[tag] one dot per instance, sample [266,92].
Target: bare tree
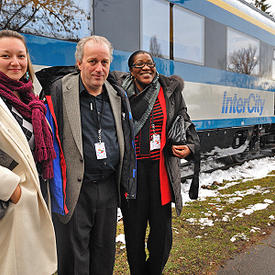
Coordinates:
[262,5]
[58,18]
[155,49]
[243,61]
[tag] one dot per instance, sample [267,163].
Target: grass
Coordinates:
[202,249]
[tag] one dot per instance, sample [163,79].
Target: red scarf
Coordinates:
[30,107]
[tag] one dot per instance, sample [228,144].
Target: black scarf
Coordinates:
[142,104]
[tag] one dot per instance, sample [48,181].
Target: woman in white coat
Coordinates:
[27,240]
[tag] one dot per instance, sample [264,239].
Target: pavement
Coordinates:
[257,260]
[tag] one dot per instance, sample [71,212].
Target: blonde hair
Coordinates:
[14,34]
[96,39]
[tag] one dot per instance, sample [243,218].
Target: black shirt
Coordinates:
[96,112]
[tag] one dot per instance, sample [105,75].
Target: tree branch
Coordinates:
[29,19]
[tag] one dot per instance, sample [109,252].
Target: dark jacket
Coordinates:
[175,105]
[60,84]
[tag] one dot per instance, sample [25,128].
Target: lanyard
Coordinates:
[99,118]
[153,124]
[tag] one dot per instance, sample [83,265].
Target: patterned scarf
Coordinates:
[30,107]
[142,103]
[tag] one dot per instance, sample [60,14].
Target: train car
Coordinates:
[223,49]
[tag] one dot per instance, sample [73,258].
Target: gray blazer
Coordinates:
[72,138]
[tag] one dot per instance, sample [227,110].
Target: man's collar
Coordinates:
[82,89]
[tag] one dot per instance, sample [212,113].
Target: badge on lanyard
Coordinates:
[100,150]
[155,142]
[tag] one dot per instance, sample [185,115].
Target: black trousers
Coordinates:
[136,215]
[86,245]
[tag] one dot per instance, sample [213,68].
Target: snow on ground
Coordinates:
[254,169]
[241,236]
[201,221]
[252,208]
[121,238]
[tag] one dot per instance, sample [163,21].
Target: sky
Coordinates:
[271,2]
[272,8]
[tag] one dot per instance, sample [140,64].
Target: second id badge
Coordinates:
[155,142]
[100,150]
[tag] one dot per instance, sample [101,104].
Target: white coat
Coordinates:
[27,239]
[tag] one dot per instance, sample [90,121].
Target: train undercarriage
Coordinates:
[222,148]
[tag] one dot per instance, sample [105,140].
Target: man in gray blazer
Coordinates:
[94,125]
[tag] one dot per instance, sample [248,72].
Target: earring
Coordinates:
[27,76]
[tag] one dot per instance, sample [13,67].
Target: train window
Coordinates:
[155,27]
[242,53]
[56,19]
[273,65]
[188,36]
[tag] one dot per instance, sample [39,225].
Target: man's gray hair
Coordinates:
[96,39]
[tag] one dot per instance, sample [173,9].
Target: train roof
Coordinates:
[241,9]
[252,11]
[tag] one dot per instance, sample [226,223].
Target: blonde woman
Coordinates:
[27,240]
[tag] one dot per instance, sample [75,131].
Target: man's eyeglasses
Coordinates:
[141,65]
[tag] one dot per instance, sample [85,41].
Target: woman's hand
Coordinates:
[16,195]
[180,151]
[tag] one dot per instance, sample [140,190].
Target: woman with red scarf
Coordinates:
[27,240]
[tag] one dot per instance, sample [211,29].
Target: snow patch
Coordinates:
[120,238]
[240,236]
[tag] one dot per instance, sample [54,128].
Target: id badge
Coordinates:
[100,150]
[155,142]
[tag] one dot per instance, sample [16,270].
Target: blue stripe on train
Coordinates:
[53,52]
[198,74]
[233,122]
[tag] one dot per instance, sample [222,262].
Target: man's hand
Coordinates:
[16,195]
[180,151]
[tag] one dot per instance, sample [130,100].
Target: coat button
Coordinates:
[81,159]
[79,179]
